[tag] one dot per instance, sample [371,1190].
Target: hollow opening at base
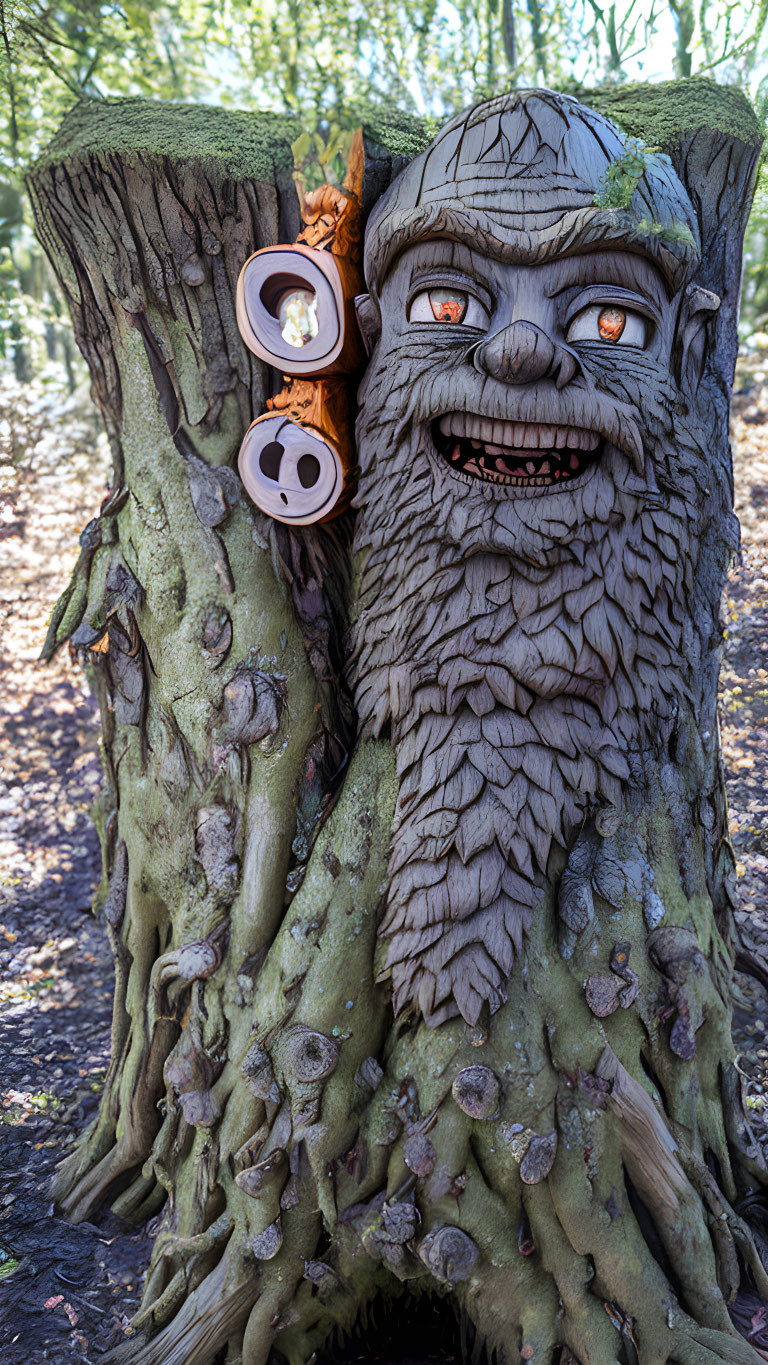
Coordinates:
[411,1330]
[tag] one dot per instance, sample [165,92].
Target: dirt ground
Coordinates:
[67,1294]
[75,1288]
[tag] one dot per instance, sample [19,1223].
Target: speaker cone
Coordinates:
[290,308]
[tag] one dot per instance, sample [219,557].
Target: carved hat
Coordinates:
[518,177]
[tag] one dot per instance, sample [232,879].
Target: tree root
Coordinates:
[561,1206]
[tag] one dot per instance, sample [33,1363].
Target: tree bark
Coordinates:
[569,1171]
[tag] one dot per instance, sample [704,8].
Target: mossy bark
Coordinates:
[570,1180]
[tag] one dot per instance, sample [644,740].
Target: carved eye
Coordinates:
[448,305]
[608,322]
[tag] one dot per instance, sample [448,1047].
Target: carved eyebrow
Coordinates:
[456,269]
[583,232]
[618,268]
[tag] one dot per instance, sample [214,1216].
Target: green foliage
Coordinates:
[401,66]
[321,160]
[667,232]
[622,177]
[618,186]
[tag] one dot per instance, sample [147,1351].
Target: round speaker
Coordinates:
[290,308]
[290,471]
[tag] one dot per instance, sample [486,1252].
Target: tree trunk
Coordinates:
[569,1170]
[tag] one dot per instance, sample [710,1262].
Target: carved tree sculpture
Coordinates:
[444,1007]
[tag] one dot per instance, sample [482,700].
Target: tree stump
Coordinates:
[514,832]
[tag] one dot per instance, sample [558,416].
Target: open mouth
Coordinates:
[518,454]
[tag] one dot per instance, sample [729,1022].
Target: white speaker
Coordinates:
[291,309]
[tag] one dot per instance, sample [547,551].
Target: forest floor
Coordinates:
[67,1293]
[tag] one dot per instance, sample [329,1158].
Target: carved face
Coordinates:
[289,471]
[532,479]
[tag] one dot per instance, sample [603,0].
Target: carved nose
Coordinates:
[522,353]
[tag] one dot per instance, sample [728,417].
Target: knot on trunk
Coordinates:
[322,1276]
[368,1074]
[305,1059]
[419,1154]
[449,1254]
[195,961]
[605,993]
[215,837]
[253,704]
[114,596]
[191,1072]
[256,1070]
[267,1176]
[534,1153]
[307,1056]
[476,1091]
[115,901]
[215,634]
[214,491]
[675,953]
[267,1243]
[394,1225]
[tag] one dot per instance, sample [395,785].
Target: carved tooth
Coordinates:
[445,424]
[592,440]
[519,433]
[498,433]
[530,467]
[561,437]
[574,438]
[574,461]
[547,436]
[485,429]
[545,467]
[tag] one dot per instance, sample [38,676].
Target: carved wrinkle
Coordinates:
[527,635]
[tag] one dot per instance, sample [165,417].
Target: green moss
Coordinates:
[249,146]
[662,114]
[400,133]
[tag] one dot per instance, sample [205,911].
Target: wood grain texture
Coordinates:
[544,661]
[538,652]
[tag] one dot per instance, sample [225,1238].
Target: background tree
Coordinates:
[308,1152]
[320,63]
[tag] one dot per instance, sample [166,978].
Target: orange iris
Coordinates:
[448,305]
[611,324]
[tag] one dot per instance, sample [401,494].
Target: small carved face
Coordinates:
[289,471]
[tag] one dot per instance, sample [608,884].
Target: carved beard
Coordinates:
[523,651]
